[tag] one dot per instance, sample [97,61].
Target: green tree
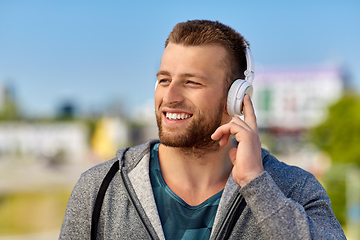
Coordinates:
[8,107]
[339,135]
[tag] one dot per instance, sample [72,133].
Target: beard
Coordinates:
[196,136]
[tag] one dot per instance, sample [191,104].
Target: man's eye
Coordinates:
[163,81]
[194,83]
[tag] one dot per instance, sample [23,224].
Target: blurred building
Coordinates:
[296,98]
[110,135]
[288,102]
[64,142]
[144,123]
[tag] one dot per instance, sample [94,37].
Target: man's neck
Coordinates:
[193,175]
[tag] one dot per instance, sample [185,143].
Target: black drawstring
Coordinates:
[240,205]
[233,215]
[100,198]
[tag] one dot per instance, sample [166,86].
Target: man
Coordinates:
[195,183]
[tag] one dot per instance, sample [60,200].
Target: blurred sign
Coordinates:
[296,98]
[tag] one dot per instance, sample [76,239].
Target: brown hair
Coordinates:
[199,32]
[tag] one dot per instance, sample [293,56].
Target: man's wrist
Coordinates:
[249,178]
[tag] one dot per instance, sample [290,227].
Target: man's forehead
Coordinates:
[210,54]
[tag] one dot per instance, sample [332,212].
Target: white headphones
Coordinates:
[241,87]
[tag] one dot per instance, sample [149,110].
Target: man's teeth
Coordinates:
[177,116]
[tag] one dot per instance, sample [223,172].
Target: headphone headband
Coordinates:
[249,72]
[240,87]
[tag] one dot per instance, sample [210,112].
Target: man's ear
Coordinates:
[225,108]
[226,114]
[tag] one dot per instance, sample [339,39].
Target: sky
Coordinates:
[97,53]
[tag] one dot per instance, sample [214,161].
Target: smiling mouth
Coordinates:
[177,116]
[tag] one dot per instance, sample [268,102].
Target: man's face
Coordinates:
[189,99]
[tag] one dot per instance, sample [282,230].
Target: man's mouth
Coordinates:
[177,116]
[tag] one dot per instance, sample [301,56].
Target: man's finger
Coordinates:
[249,113]
[227,129]
[240,122]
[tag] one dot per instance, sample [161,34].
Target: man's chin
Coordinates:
[187,142]
[174,141]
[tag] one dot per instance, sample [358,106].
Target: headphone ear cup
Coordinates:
[231,98]
[236,95]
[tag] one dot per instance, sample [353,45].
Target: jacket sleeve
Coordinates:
[281,217]
[77,220]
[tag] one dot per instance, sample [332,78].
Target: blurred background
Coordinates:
[77,83]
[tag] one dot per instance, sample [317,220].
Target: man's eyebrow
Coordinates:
[162,72]
[190,75]
[184,75]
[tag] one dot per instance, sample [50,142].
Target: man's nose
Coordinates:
[173,93]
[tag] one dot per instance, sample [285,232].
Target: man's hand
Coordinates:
[246,158]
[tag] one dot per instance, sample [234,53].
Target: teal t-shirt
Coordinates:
[180,220]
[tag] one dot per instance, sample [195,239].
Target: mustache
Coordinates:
[178,106]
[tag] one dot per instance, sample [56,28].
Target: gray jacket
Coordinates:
[284,202]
